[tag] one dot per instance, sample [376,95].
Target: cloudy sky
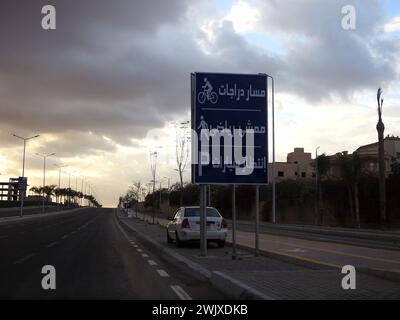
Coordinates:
[115,72]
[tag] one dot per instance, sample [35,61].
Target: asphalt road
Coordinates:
[94,258]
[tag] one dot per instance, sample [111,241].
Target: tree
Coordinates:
[36,190]
[352,169]
[48,191]
[137,189]
[380,127]
[323,166]
[182,152]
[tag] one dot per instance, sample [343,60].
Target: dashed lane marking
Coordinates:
[152,262]
[27,257]
[182,294]
[52,244]
[162,273]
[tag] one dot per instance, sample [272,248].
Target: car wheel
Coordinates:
[221,243]
[169,239]
[178,241]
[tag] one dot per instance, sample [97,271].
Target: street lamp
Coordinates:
[316,184]
[59,180]
[273,151]
[44,156]
[22,192]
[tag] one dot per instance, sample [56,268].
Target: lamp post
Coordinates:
[316,185]
[59,181]
[273,151]
[83,178]
[22,192]
[44,156]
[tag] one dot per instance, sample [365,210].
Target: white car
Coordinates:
[185,226]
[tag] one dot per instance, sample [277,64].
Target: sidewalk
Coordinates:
[263,276]
[311,252]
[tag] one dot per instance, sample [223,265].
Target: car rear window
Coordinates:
[195,212]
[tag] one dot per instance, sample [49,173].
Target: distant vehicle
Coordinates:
[185,226]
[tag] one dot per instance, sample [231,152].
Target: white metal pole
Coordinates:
[203,221]
[273,153]
[44,181]
[234,222]
[21,192]
[257,220]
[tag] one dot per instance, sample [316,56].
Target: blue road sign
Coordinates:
[22,183]
[230,128]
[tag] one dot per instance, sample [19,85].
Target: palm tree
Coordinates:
[48,191]
[36,190]
[380,127]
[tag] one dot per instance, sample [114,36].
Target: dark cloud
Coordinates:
[119,68]
[322,58]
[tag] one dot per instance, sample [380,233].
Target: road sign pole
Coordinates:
[234,222]
[203,221]
[257,220]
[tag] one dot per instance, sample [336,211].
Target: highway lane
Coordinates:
[94,257]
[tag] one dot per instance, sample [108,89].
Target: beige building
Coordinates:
[369,153]
[298,166]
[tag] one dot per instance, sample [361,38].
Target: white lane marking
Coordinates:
[162,273]
[25,258]
[145,255]
[139,250]
[180,292]
[65,236]
[152,262]
[52,244]
[135,245]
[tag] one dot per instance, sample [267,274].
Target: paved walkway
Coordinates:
[325,253]
[274,277]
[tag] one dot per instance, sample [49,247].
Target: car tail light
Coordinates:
[224,225]
[185,224]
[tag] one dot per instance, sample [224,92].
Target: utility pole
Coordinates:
[22,192]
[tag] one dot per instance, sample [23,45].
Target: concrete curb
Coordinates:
[37,216]
[233,288]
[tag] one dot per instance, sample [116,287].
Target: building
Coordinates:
[9,190]
[369,154]
[298,165]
